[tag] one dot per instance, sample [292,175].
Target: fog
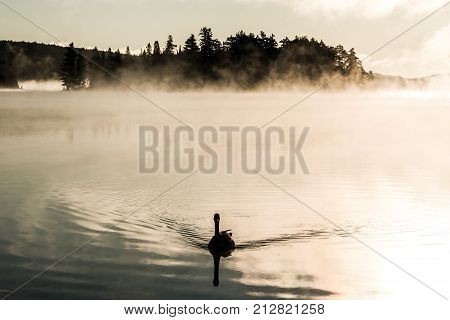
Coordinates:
[36,85]
[434,84]
[349,118]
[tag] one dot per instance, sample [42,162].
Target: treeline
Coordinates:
[244,61]
[29,61]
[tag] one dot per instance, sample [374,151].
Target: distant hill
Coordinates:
[381,80]
[438,78]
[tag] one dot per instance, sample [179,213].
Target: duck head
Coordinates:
[216,223]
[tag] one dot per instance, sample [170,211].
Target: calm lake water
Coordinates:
[379,168]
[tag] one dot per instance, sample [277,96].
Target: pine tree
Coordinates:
[80,69]
[94,68]
[117,59]
[269,45]
[72,71]
[109,60]
[341,59]
[285,42]
[190,46]
[170,46]
[354,67]
[208,45]
[128,58]
[148,49]
[156,48]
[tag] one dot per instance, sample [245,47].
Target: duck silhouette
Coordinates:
[220,245]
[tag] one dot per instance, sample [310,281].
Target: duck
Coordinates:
[221,243]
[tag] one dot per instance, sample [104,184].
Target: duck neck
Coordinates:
[216,227]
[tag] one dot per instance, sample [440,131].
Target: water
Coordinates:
[379,170]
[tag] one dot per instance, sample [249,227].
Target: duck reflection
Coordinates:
[216,258]
[220,245]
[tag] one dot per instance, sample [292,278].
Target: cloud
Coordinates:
[433,57]
[366,8]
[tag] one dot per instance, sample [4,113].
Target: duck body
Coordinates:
[221,243]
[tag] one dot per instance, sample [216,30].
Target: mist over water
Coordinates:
[44,85]
[378,165]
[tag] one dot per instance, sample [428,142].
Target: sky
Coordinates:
[363,25]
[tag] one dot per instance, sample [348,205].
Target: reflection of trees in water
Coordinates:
[109,129]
